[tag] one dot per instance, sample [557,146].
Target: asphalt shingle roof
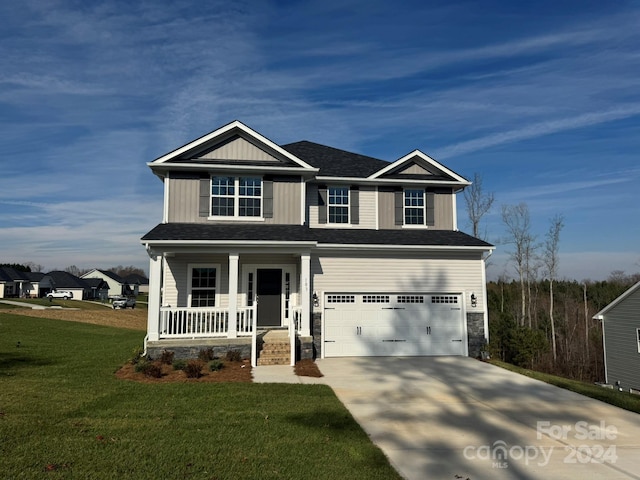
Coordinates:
[334,162]
[302,233]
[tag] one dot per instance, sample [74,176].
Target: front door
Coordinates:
[269,290]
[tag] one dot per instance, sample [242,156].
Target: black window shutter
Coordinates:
[322,204]
[430,199]
[355,205]
[399,207]
[205,197]
[267,198]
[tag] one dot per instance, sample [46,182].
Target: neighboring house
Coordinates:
[352,255]
[58,280]
[117,285]
[99,289]
[139,282]
[11,282]
[621,340]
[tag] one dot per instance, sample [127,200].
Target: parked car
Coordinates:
[64,294]
[124,302]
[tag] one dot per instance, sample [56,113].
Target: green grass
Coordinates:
[64,415]
[624,400]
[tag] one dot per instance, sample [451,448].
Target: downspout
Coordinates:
[486,303]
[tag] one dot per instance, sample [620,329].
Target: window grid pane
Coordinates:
[414,207]
[338,205]
[250,193]
[203,287]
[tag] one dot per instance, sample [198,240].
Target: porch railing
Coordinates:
[185,322]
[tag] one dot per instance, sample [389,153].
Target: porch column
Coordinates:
[155,287]
[233,295]
[305,291]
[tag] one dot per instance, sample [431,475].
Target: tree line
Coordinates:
[121,270]
[535,320]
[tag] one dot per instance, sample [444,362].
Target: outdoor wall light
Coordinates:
[474,300]
[316,301]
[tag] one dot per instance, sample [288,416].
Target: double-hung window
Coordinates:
[414,207]
[338,204]
[236,197]
[203,285]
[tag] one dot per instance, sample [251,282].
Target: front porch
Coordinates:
[227,302]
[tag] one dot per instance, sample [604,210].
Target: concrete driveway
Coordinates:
[458,418]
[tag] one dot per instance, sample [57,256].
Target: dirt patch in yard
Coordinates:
[135,319]
[307,368]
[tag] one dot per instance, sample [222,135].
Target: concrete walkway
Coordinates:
[280,374]
[455,417]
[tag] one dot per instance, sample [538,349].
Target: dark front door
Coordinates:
[269,290]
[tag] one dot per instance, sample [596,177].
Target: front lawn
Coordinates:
[63,414]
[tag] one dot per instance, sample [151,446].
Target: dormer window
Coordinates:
[338,204]
[236,197]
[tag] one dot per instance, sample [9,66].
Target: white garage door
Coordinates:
[375,324]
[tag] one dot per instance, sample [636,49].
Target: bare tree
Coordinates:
[550,258]
[478,203]
[517,220]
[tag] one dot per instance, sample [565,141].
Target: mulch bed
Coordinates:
[231,372]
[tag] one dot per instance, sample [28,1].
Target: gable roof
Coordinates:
[134,278]
[215,233]
[427,169]
[213,150]
[65,280]
[334,162]
[601,313]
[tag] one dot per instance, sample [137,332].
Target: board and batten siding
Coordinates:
[239,148]
[397,272]
[443,210]
[621,342]
[366,208]
[184,202]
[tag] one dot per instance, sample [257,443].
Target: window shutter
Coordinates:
[430,201]
[354,202]
[205,197]
[399,207]
[267,199]
[322,204]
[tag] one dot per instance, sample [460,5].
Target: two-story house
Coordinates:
[352,255]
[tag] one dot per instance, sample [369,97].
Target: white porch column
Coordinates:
[305,292]
[155,287]
[233,295]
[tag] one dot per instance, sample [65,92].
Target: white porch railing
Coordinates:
[185,322]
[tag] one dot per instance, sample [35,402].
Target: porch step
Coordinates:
[276,349]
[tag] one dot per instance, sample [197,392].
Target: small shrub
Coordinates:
[179,364]
[215,365]
[206,355]
[166,357]
[193,369]
[150,369]
[234,356]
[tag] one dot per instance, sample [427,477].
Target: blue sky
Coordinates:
[540,98]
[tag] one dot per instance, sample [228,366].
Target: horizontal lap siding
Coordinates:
[176,281]
[623,359]
[342,273]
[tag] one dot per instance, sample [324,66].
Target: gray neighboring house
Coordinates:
[138,282]
[621,339]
